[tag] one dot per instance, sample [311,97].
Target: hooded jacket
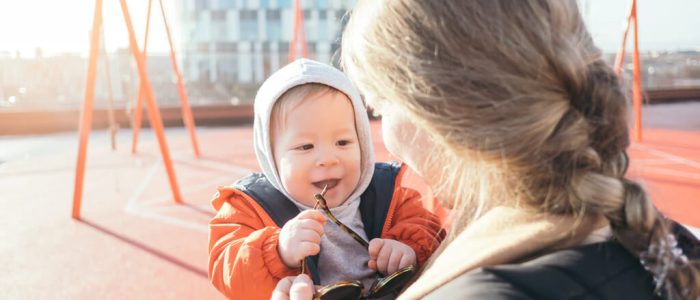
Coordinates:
[244,262]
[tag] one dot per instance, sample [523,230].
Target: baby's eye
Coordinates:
[305,147]
[343,142]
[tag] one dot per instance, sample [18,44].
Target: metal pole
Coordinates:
[86,110]
[139,101]
[153,112]
[184,103]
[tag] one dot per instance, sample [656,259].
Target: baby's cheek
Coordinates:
[356,163]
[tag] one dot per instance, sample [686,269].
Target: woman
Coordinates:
[512,116]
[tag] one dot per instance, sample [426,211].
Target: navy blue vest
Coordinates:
[374,202]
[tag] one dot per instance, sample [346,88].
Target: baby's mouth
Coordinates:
[329,182]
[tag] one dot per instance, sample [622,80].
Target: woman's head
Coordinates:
[516,99]
[507,84]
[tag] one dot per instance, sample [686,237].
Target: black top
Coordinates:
[374,203]
[595,271]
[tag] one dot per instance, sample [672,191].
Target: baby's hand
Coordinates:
[301,237]
[388,256]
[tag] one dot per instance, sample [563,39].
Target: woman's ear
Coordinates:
[405,139]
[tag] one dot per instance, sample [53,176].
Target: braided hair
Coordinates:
[521,106]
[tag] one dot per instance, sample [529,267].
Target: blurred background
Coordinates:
[133,240]
[226,48]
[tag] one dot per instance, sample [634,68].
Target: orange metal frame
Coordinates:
[86,110]
[298,37]
[136,123]
[184,103]
[636,70]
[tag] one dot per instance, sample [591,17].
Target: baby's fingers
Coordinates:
[394,261]
[383,258]
[306,235]
[372,264]
[374,246]
[311,214]
[309,249]
[282,289]
[407,260]
[312,225]
[294,288]
[302,288]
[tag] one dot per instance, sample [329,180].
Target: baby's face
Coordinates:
[317,145]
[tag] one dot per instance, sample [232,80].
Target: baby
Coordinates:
[312,132]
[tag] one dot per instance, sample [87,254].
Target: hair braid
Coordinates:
[634,220]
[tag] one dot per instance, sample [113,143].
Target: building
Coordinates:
[244,41]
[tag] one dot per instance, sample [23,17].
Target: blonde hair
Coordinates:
[292,98]
[521,105]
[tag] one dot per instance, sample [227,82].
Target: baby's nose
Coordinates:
[327,158]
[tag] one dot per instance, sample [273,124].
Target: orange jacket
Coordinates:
[243,258]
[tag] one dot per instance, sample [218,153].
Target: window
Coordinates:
[249,14]
[283,47]
[227,4]
[249,24]
[284,3]
[274,25]
[218,15]
[226,69]
[203,67]
[201,5]
[339,15]
[323,26]
[226,47]
[272,14]
[310,28]
[311,47]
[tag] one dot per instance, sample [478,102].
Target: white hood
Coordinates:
[300,72]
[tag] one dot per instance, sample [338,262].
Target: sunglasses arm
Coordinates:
[320,201]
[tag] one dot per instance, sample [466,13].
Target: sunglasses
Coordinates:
[354,290]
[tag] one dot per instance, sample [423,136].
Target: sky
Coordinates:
[664,25]
[59,26]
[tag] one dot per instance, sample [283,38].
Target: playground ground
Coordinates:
[134,242]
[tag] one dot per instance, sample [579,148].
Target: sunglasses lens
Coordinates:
[344,291]
[391,283]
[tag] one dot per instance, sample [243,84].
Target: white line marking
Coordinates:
[653,161]
[132,208]
[668,156]
[217,166]
[168,219]
[142,187]
[652,170]
[197,188]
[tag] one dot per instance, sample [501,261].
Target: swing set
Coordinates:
[636,70]
[145,91]
[297,48]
